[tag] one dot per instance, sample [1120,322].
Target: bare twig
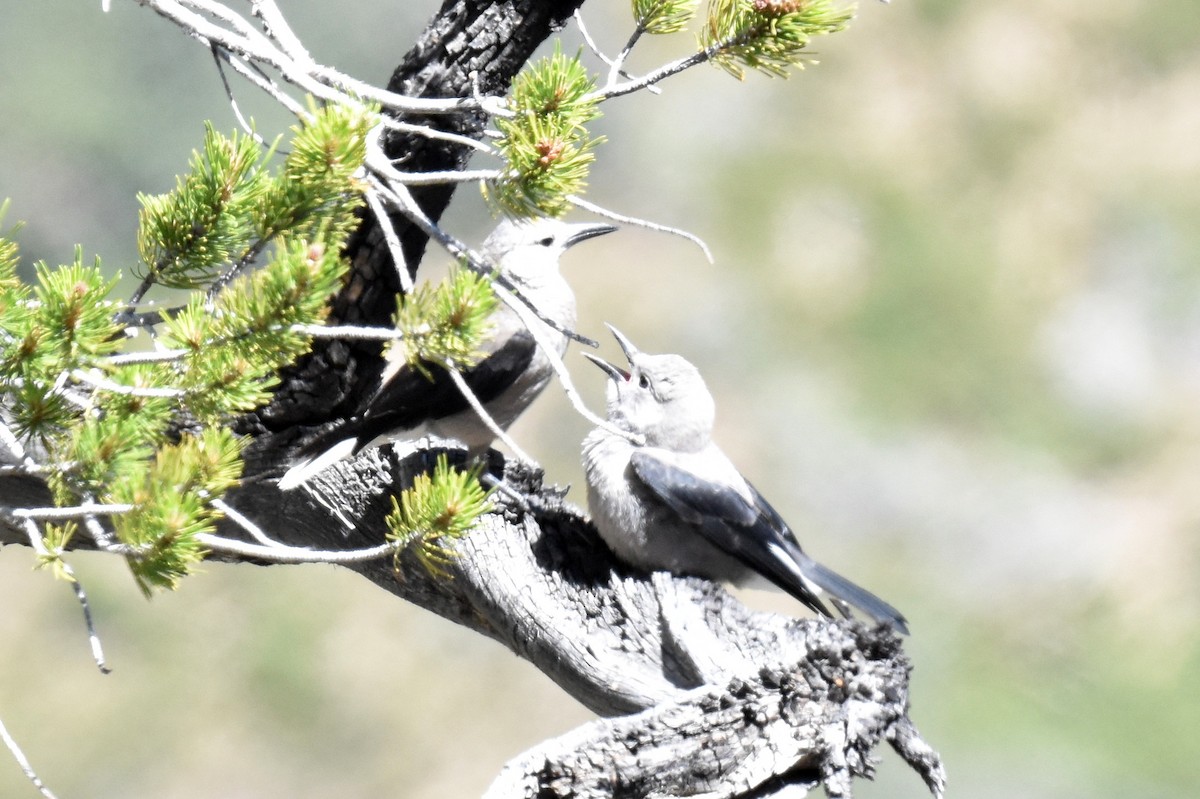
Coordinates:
[219,56]
[667,70]
[284,554]
[66,513]
[23,762]
[16,451]
[537,328]
[482,413]
[579,202]
[322,82]
[616,70]
[390,238]
[35,541]
[258,78]
[441,135]
[596,51]
[277,28]
[350,332]
[104,384]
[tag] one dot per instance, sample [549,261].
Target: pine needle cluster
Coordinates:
[445,323]
[770,36]
[172,505]
[545,143]
[186,237]
[661,17]
[259,248]
[435,511]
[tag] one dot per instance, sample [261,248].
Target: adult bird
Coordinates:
[670,499]
[411,402]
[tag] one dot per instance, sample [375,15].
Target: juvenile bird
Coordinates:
[676,502]
[513,371]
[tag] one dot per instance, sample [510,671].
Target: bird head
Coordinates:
[661,397]
[527,250]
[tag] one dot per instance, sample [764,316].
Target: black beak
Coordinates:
[613,372]
[626,345]
[587,231]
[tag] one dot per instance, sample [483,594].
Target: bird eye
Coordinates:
[546,242]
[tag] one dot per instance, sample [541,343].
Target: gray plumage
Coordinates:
[676,502]
[513,371]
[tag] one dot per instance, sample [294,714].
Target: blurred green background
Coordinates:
[953,329]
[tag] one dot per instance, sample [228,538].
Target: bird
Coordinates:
[412,402]
[663,495]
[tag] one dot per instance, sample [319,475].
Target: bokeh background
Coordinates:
[953,329]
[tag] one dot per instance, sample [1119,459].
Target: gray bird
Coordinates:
[513,371]
[676,502]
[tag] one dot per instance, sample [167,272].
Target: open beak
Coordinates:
[615,373]
[585,231]
[626,345]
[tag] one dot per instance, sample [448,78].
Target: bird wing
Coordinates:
[409,398]
[752,531]
[729,521]
[827,579]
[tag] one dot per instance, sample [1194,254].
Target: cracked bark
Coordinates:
[698,695]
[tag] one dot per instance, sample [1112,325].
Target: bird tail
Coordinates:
[308,468]
[838,587]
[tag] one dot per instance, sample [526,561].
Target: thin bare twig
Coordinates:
[596,51]
[35,541]
[390,238]
[9,441]
[277,554]
[482,413]
[66,513]
[537,328]
[616,69]
[579,202]
[104,384]
[440,135]
[23,762]
[321,82]
[218,57]
[258,78]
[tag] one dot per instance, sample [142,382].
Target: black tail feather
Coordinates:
[839,587]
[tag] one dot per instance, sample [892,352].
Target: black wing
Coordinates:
[729,522]
[410,398]
[830,581]
[755,534]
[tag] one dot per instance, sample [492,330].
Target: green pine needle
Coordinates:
[224,218]
[107,451]
[331,145]
[74,313]
[172,505]
[39,410]
[320,182]
[545,143]
[237,344]
[436,511]
[149,414]
[55,539]
[186,237]
[8,253]
[447,322]
[770,36]
[62,324]
[661,17]
[162,529]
